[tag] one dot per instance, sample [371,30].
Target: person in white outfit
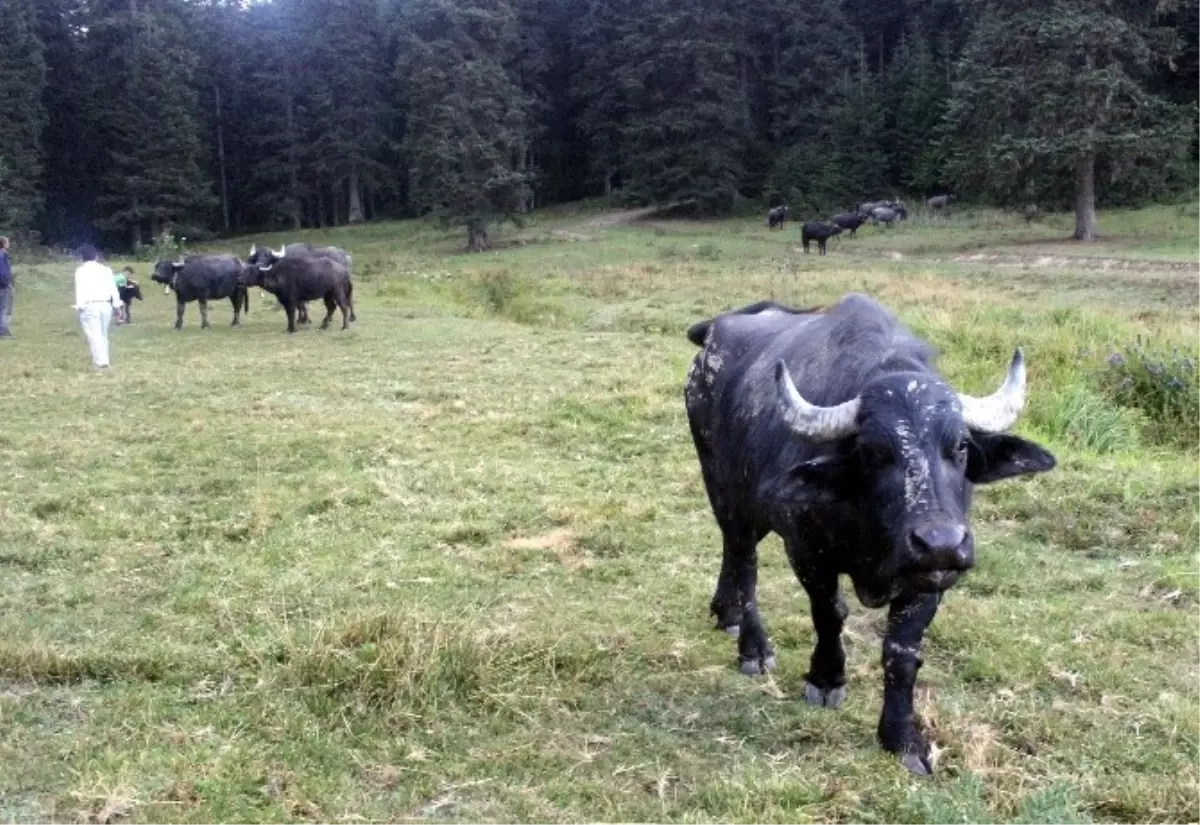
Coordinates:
[96,297]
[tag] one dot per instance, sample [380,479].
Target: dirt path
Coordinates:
[1082,261]
[625,217]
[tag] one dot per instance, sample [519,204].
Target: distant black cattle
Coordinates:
[776,217]
[204,278]
[888,214]
[819,232]
[296,278]
[849,221]
[834,430]
[939,201]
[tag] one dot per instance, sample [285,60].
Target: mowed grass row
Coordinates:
[454,564]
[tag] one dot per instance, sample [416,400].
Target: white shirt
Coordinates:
[95,282]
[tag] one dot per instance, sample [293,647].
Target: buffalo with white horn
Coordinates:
[203,278]
[265,258]
[833,429]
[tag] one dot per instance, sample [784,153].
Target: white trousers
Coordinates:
[94,318]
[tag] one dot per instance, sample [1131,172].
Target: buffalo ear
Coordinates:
[993,457]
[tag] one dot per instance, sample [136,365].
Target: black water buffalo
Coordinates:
[849,221]
[204,278]
[128,293]
[296,278]
[819,232]
[939,201]
[267,256]
[833,429]
[776,217]
[887,214]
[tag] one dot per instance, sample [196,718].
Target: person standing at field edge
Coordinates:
[6,289]
[96,298]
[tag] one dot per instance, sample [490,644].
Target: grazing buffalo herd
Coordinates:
[296,274]
[877,212]
[830,427]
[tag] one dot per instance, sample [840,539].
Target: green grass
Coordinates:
[454,564]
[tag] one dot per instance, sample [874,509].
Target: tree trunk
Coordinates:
[320,207]
[221,161]
[1085,197]
[477,235]
[356,205]
[608,177]
[293,172]
[135,230]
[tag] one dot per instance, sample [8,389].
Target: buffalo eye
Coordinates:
[958,453]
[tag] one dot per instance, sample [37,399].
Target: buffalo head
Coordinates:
[909,449]
[165,273]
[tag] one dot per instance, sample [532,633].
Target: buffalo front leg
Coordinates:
[736,599]
[237,308]
[290,309]
[179,306]
[825,682]
[302,316]
[203,314]
[907,619]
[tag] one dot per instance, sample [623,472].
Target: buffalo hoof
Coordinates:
[757,667]
[920,765]
[824,697]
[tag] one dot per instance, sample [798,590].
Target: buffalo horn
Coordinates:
[282,251]
[998,411]
[810,422]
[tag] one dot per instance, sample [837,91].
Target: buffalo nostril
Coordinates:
[940,539]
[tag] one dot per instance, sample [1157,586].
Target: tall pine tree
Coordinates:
[687,131]
[145,109]
[22,114]
[1059,85]
[467,120]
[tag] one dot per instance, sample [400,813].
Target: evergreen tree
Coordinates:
[1189,59]
[919,92]
[687,131]
[345,79]
[1059,84]
[466,118]
[604,100]
[22,114]
[144,107]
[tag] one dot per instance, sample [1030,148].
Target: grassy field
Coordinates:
[454,564]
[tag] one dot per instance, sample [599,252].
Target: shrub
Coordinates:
[1085,419]
[1163,385]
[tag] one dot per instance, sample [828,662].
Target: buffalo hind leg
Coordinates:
[302,317]
[204,314]
[330,305]
[350,300]
[343,303]
[825,682]
[907,619]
